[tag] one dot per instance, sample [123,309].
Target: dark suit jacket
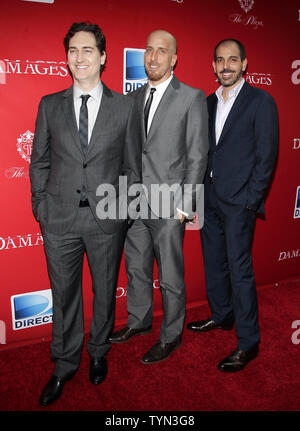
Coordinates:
[175,149]
[59,168]
[244,159]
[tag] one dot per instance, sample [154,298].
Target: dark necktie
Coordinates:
[147,108]
[83,133]
[84,123]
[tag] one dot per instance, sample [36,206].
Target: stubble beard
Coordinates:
[233,81]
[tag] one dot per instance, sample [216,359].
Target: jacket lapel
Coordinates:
[140,102]
[101,120]
[68,108]
[104,112]
[235,111]
[167,100]
[212,106]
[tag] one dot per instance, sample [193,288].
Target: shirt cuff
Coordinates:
[182,212]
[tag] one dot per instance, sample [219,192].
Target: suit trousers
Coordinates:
[146,240]
[227,237]
[65,255]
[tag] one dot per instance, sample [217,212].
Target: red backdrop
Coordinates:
[32,63]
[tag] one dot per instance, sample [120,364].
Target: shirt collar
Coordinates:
[233,93]
[95,93]
[162,86]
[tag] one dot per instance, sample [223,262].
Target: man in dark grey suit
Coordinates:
[243,126]
[85,136]
[175,145]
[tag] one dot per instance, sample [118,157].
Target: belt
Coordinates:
[84,203]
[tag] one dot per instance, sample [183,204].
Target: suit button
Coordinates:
[144,151]
[84,165]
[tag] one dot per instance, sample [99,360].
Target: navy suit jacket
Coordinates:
[244,159]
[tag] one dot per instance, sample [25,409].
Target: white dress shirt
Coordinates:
[157,95]
[223,108]
[93,105]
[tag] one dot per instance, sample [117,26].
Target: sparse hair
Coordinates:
[228,41]
[173,39]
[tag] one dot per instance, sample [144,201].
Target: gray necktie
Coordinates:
[147,108]
[84,123]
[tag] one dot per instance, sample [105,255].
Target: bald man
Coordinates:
[174,122]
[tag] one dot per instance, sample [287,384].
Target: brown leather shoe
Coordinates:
[237,360]
[126,333]
[208,325]
[161,351]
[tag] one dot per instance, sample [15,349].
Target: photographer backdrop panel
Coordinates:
[33,63]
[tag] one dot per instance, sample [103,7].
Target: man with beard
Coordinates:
[243,130]
[175,145]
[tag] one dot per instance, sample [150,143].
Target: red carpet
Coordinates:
[187,381]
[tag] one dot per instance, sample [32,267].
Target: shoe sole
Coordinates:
[45,404]
[97,381]
[48,404]
[161,360]
[236,370]
[129,338]
[229,328]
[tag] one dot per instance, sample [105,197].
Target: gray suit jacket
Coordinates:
[59,168]
[175,149]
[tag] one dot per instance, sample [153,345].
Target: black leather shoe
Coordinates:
[126,333]
[52,391]
[160,351]
[98,370]
[237,360]
[208,325]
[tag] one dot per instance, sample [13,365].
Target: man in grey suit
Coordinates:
[175,145]
[85,136]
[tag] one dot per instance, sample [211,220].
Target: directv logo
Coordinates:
[31,309]
[297,204]
[134,70]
